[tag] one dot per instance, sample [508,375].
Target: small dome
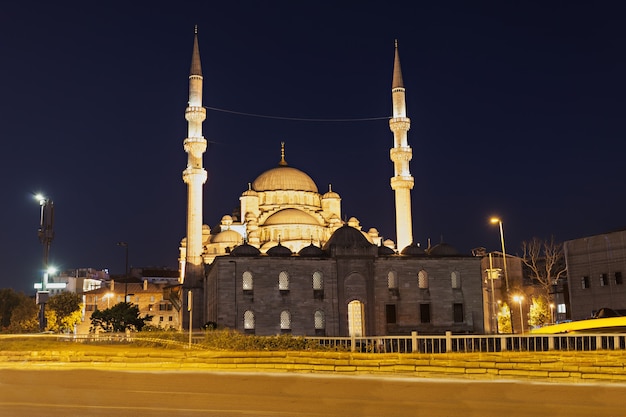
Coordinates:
[414,249]
[311,251]
[385,251]
[347,237]
[279,250]
[284,177]
[245,250]
[226,220]
[443,249]
[227,236]
[290,216]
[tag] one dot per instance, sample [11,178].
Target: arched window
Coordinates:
[283,281]
[455,278]
[247,282]
[285,320]
[248,320]
[392,280]
[320,321]
[318,281]
[422,279]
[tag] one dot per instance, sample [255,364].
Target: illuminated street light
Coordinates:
[518,299]
[45,234]
[495,220]
[552,313]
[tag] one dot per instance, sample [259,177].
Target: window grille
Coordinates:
[392,280]
[248,320]
[422,279]
[285,320]
[320,321]
[455,277]
[318,281]
[283,281]
[247,282]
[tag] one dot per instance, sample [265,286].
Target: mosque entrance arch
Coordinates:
[356,318]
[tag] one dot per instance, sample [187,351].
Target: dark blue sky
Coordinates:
[517,109]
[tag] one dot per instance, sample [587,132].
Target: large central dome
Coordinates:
[284,177]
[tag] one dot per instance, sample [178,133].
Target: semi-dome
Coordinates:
[227,236]
[311,251]
[385,251]
[279,250]
[443,249]
[290,216]
[414,249]
[347,237]
[245,250]
[284,177]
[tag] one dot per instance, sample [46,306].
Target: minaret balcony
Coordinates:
[404,153]
[195,114]
[400,182]
[399,123]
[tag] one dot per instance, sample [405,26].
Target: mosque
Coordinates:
[287,263]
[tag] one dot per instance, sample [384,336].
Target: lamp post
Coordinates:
[552,313]
[46,234]
[495,220]
[519,299]
[125,246]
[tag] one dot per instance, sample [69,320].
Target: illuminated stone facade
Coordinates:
[285,262]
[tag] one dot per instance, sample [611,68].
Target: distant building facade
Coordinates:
[151,299]
[596,266]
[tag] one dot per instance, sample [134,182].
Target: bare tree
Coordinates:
[546,262]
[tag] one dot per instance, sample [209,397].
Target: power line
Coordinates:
[300,119]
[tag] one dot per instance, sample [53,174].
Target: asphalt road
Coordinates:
[65,393]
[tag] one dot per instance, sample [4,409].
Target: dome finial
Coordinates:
[330,188]
[195,29]
[282,154]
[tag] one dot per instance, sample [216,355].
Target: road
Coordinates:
[73,392]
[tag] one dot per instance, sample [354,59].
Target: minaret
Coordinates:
[194,175]
[401,154]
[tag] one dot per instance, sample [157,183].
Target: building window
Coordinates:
[283,281]
[425,313]
[604,280]
[618,278]
[320,320]
[318,281]
[455,279]
[392,280]
[170,318]
[422,279]
[150,307]
[390,313]
[457,312]
[246,281]
[248,320]
[152,298]
[285,320]
[585,282]
[160,318]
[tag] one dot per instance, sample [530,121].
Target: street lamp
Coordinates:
[46,234]
[552,313]
[495,220]
[518,299]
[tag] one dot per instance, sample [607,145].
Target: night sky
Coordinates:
[517,109]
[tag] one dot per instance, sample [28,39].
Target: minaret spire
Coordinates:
[282,154]
[194,175]
[401,154]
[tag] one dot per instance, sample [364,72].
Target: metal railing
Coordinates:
[413,343]
[448,343]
